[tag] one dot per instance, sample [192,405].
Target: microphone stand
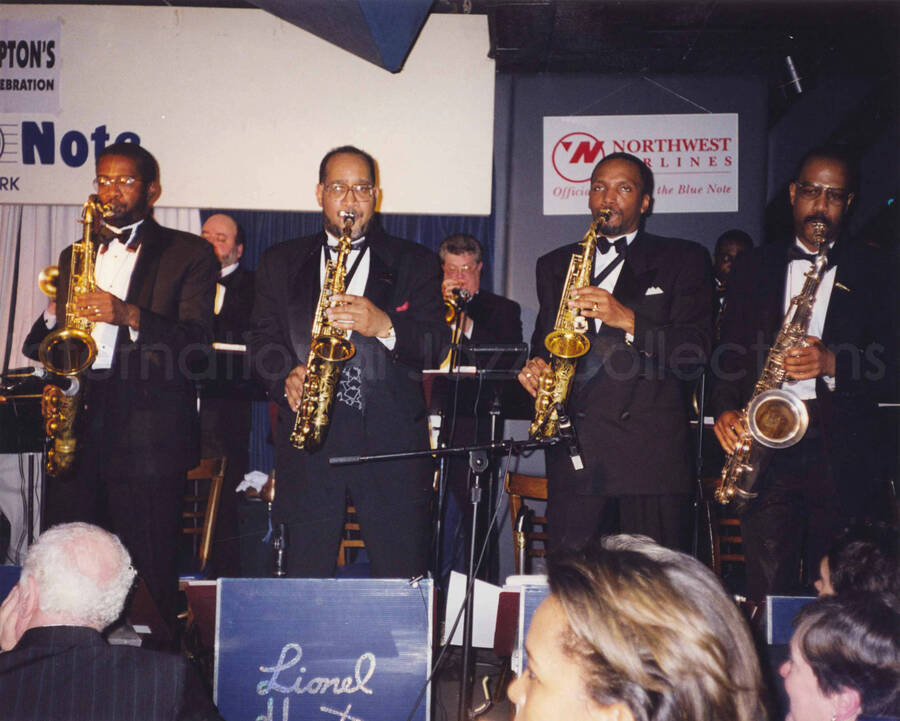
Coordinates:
[478,461]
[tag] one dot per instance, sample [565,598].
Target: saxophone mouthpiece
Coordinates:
[347,215]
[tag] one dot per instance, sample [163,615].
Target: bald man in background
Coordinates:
[225,400]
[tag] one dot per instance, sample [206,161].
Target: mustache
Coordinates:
[817,219]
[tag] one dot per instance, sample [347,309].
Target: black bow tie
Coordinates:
[354,245]
[797,253]
[603,245]
[227,280]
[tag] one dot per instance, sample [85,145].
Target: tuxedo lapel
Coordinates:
[303,289]
[840,310]
[773,286]
[638,273]
[380,285]
[146,268]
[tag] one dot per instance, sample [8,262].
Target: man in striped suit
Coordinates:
[58,666]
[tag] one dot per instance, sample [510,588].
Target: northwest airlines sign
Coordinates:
[694,159]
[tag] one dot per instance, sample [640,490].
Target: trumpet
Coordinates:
[455,304]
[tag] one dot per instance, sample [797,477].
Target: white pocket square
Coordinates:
[653,290]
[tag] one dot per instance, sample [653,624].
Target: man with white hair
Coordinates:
[57,665]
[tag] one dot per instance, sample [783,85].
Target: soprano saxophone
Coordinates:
[329,350]
[568,340]
[774,417]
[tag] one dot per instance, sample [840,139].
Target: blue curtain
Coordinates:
[266,228]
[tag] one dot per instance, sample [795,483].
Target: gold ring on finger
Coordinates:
[595,307]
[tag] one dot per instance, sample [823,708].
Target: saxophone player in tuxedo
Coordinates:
[138,432]
[648,313]
[807,492]
[392,313]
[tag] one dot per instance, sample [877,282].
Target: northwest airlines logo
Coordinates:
[575,155]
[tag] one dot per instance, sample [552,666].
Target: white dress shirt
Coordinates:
[796,277]
[357,282]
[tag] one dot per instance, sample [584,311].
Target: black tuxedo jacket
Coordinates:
[149,399]
[497,319]
[628,398]
[229,375]
[405,282]
[860,327]
[70,673]
[233,321]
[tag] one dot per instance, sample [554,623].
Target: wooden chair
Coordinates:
[200,508]
[525,529]
[350,536]
[726,542]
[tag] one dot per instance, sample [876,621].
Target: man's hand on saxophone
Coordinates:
[729,428]
[531,373]
[359,314]
[595,302]
[101,307]
[293,386]
[810,360]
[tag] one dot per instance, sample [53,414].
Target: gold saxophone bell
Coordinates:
[48,281]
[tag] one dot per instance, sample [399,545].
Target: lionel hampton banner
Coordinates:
[694,159]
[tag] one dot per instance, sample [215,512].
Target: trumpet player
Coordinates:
[481,317]
[392,313]
[808,491]
[138,432]
[488,317]
[648,312]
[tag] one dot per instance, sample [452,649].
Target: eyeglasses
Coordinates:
[361,191]
[459,269]
[120,181]
[835,196]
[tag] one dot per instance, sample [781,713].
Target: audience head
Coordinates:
[632,630]
[845,658]
[863,557]
[226,237]
[728,247]
[461,261]
[75,574]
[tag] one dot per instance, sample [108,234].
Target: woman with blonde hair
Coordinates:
[633,631]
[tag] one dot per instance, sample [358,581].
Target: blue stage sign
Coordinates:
[299,649]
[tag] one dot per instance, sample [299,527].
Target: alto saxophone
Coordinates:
[774,417]
[70,350]
[328,350]
[568,340]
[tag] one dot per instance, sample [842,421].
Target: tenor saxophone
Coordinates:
[568,340]
[774,417]
[70,350]
[328,351]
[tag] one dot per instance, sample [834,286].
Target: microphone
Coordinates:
[567,434]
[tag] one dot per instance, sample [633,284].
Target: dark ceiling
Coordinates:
[664,36]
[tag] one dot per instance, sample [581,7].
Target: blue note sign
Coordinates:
[350,649]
